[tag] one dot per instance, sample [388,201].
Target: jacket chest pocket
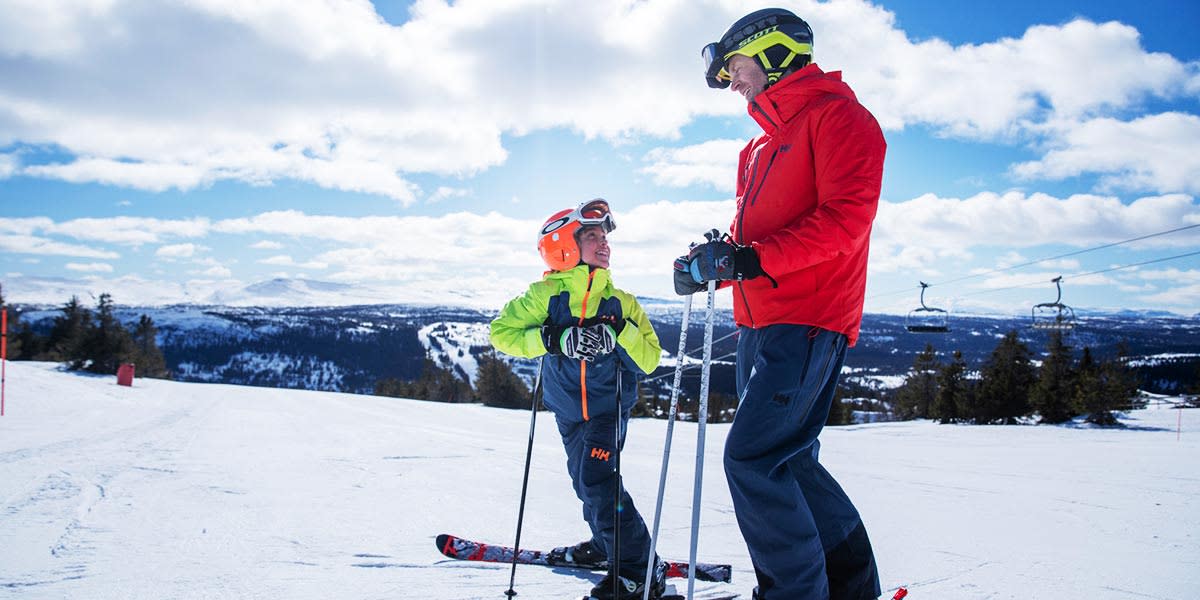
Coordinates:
[790,185]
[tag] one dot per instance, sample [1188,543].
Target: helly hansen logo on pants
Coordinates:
[600,453]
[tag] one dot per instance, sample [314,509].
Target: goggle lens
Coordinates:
[596,209]
[596,212]
[714,66]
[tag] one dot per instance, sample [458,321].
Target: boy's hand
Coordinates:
[582,343]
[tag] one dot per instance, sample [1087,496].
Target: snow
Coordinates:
[449,343]
[189,490]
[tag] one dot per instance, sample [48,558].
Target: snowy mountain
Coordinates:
[349,348]
[197,491]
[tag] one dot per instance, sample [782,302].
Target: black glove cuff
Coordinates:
[746,262]
[551,336]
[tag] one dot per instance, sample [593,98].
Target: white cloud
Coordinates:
[218,271]
[991,89]
[1014,220]
[266,245]
[25,244]
[712,163]
[90,267]
[130,230]
[1184,298]
[1157,152]
[288,261]
[1171,275]
[8,165]
[328,93]
[176,251]
[446,193]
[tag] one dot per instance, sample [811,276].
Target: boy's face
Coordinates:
[593,246]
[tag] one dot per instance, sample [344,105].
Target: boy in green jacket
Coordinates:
[598,341]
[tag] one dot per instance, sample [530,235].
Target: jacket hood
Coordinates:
[782,101]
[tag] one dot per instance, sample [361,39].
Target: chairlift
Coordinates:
[927,319]
[1054,316]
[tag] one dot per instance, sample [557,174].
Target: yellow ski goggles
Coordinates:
[715,61]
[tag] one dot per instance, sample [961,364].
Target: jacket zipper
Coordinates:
[583,363]
[742,214]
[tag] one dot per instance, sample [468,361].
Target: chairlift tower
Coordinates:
[927,319]
[1054,316]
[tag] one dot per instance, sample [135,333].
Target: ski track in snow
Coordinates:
[173,490]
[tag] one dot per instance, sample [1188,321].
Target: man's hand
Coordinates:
[684,284]
[720,259]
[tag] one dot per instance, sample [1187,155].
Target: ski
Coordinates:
[464,549]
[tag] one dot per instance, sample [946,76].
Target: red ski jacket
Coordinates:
[807,192]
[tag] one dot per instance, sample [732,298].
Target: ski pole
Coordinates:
[702,420]
[537,385]
[615,567]
[662,476]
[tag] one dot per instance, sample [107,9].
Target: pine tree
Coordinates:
[839,412]
[1054,393]
[146,354]
[497,385]
[1119,387]
[443,385]
[1006,380]
[436,384]
[916,396]
[69,335]
[1089,398]
[107,344]
[953,390]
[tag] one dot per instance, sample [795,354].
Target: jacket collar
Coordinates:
[576,278]
[775,106]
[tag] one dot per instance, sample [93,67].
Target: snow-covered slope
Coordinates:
[187,490]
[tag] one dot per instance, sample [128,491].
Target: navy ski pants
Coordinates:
[805,537]
[591,456]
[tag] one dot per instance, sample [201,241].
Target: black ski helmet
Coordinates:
[781,41]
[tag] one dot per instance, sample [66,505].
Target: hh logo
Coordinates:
[600,453]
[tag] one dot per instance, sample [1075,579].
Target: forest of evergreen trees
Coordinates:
[91,340]
[1010,387]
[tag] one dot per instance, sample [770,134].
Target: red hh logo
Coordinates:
[600,453]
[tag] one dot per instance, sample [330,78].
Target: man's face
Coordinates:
[593,247]
[748,77]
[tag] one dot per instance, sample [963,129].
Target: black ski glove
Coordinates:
[684,284]
[721,259]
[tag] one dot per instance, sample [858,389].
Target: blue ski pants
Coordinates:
[805,537]
[591,456]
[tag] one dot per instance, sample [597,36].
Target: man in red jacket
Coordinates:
[796,258]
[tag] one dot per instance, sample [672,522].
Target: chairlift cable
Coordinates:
[1041,260]
[1078,275]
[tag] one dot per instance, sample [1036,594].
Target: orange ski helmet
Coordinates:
[557,242]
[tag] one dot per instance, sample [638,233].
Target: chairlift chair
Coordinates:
[1054,316]
[927,319]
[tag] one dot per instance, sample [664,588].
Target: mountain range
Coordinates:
[349,348]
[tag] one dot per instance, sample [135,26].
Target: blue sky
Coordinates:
[407,152]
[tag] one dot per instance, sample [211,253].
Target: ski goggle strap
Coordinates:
[596,212]
[715,72]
